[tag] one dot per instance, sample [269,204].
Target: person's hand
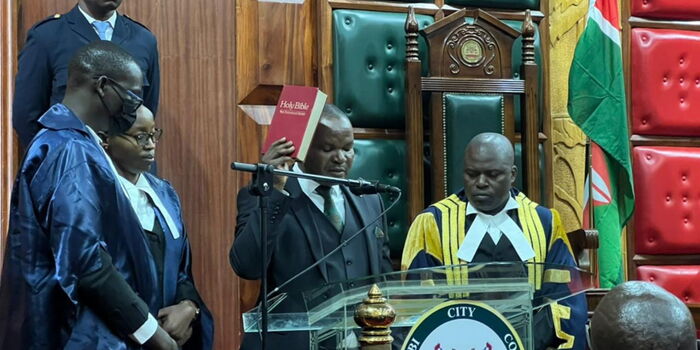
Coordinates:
[160,341]
[176,320]
[278,155]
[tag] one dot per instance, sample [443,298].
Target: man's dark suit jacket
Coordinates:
[294,244]
[43,64]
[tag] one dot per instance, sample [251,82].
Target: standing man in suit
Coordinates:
[308,220]
[43,61]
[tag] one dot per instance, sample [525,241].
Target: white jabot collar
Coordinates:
[500,224]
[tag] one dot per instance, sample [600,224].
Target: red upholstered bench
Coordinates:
[667,189]
[666,81]
[682,281]
[666,9]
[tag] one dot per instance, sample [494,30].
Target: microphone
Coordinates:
[372,187]
[339,247]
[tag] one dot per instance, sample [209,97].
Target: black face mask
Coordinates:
[122,121]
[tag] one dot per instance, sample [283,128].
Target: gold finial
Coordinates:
[375,316]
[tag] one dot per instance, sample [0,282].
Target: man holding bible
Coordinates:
[307,221]
[491,221]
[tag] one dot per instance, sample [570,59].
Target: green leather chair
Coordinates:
[369,50]
[465,116]
[385,160]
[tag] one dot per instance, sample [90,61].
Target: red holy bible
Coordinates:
[296,117]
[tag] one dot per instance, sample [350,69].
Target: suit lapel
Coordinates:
[302,209]
[122,30]
[80,25]
[358,206]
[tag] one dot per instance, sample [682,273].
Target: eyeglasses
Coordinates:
[143,137]
[131,101]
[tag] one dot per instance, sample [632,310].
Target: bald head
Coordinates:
[492,145]
[641,315]
[489,172]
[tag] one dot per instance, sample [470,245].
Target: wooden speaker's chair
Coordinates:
[476,83]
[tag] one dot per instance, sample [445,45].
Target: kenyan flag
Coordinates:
[597,104]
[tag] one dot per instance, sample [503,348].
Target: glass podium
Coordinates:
[326,312]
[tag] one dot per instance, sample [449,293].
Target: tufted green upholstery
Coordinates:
[498,4]
[369,50]
[385,160]
[465,116]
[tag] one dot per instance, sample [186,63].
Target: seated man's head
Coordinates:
[103,88]
[489,172]
[133,152]
[331,151]
[641,315]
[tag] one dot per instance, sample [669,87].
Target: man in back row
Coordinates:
[43,62]
[490,221]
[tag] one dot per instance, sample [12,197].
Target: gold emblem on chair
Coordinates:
[471,51]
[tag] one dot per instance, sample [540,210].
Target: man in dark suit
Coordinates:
[43,62]
[307,221]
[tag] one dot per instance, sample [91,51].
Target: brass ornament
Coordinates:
[374,315]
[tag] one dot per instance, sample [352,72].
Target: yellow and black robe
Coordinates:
[437,233]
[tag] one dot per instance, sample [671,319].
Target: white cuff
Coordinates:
[146,331]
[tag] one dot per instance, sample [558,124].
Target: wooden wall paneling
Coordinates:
[197,111]
[8,142]
[324,50]
[626,58]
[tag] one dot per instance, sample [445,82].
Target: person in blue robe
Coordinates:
[184,315]
[490,221]
[70,221]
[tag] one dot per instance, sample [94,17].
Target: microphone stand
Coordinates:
[262,187]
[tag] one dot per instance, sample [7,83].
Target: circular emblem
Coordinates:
[472,52]
[462,325]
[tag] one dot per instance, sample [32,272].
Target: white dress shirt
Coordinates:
[112,22]
[497,226]
[309,188]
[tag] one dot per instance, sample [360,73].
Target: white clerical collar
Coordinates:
[500,224]
[112,19]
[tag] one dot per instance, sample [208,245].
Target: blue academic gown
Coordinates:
[66,205]
[177,261]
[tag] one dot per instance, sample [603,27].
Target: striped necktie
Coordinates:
[330,209]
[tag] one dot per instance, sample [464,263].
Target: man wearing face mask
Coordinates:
[307,221]
[491,221]
[78,273]
[43,62]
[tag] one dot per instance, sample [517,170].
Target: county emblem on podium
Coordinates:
[463,325]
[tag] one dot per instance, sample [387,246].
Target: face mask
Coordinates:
[122,121]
